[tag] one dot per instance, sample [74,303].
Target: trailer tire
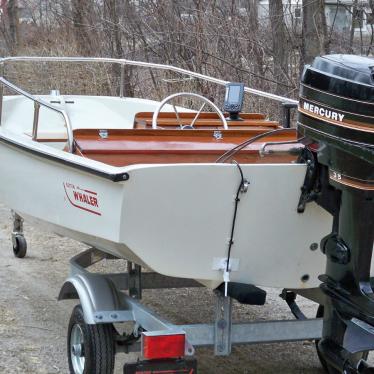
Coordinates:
[19,246]
[328,369]
[90,348]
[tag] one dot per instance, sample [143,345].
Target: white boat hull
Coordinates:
[174,219]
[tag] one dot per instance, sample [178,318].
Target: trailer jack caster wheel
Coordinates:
[90,348]
[328,369]
[19,246]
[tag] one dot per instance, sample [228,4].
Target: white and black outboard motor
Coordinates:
[336,122]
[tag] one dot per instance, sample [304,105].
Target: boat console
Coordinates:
[336,118]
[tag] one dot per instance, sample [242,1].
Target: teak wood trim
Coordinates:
[205,119]
[136,146]
[191,115]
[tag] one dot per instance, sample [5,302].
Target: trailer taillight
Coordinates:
[163,346]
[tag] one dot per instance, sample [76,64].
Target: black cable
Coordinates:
[241,187]
[231,242]
[240,146]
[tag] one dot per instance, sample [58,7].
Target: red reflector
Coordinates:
[314,146]
[163,346]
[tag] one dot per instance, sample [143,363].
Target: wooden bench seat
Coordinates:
[137,146]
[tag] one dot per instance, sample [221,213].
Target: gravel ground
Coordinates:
[33,324]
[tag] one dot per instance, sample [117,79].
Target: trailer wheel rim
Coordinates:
[76,349]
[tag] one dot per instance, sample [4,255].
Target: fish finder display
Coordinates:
[233,94]
[234,97]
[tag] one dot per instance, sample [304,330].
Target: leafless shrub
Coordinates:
[230,40]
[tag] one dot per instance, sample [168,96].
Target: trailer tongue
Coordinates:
[336,117]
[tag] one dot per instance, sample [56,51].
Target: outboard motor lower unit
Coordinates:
[336,122]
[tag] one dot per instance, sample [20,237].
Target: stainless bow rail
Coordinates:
[122,62]
[37,104]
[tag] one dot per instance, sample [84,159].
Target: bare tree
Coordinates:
[280,45]
[84,29]
[371,15]
[12,10]
[232,40]
[314,33]
[112,27]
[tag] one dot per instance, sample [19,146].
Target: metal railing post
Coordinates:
[286,113]
[222,325]
[40,103]
[121,84]
[36,121]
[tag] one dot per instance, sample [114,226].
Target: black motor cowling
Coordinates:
[336,112]
[336,122]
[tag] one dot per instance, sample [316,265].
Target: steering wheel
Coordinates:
[190,126]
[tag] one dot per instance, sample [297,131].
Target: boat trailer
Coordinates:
[104,301]
[336,123]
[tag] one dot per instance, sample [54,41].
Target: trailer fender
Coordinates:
[98,296]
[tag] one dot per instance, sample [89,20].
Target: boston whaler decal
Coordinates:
[323,112]
[82,198]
